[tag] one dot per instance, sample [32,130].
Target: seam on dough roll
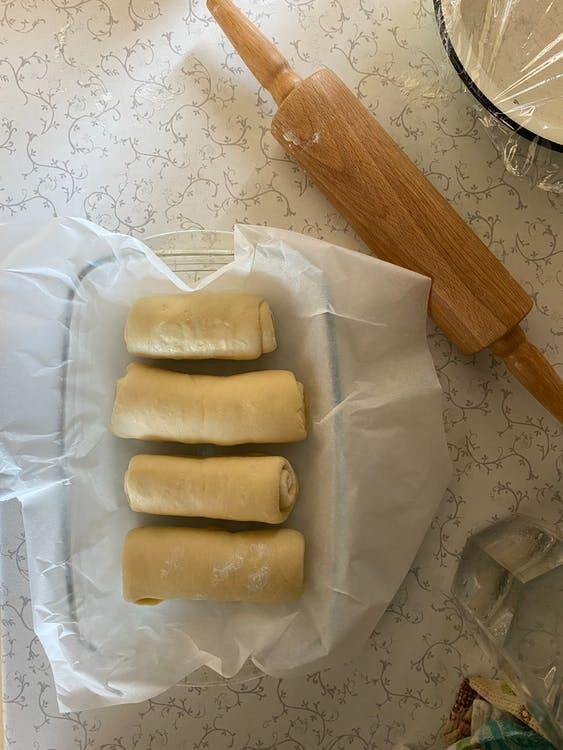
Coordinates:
[302,406]
[236,488]
[268,328]
[171,562]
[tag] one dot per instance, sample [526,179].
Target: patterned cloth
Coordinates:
[476,724]
[505,733]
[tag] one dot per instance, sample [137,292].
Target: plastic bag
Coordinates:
[509,53]
[372,470]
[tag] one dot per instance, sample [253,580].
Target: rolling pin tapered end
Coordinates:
[260,55]
[531,368]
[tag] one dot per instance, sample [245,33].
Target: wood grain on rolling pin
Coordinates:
[364,173]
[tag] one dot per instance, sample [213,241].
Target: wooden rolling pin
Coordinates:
[397,212]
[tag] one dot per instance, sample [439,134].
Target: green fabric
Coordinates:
[503,734]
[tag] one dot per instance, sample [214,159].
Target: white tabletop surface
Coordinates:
[139,116]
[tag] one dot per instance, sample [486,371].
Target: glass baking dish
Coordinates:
[81,551]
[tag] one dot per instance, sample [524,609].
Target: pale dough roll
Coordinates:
[175,562]
[200,326]
[254,407]
[237,488]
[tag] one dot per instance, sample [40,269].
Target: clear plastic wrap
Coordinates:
[509,584]
[509,53]
[372,471]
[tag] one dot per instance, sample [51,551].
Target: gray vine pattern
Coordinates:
[139,116]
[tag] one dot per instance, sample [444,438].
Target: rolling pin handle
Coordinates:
[261,56]
[531,368]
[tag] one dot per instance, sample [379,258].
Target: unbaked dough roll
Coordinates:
[178,562]
[200,326]
[237,488]
[254,407]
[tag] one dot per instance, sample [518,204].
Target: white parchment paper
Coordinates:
[372,470]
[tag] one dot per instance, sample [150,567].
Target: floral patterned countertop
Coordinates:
[139,116]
